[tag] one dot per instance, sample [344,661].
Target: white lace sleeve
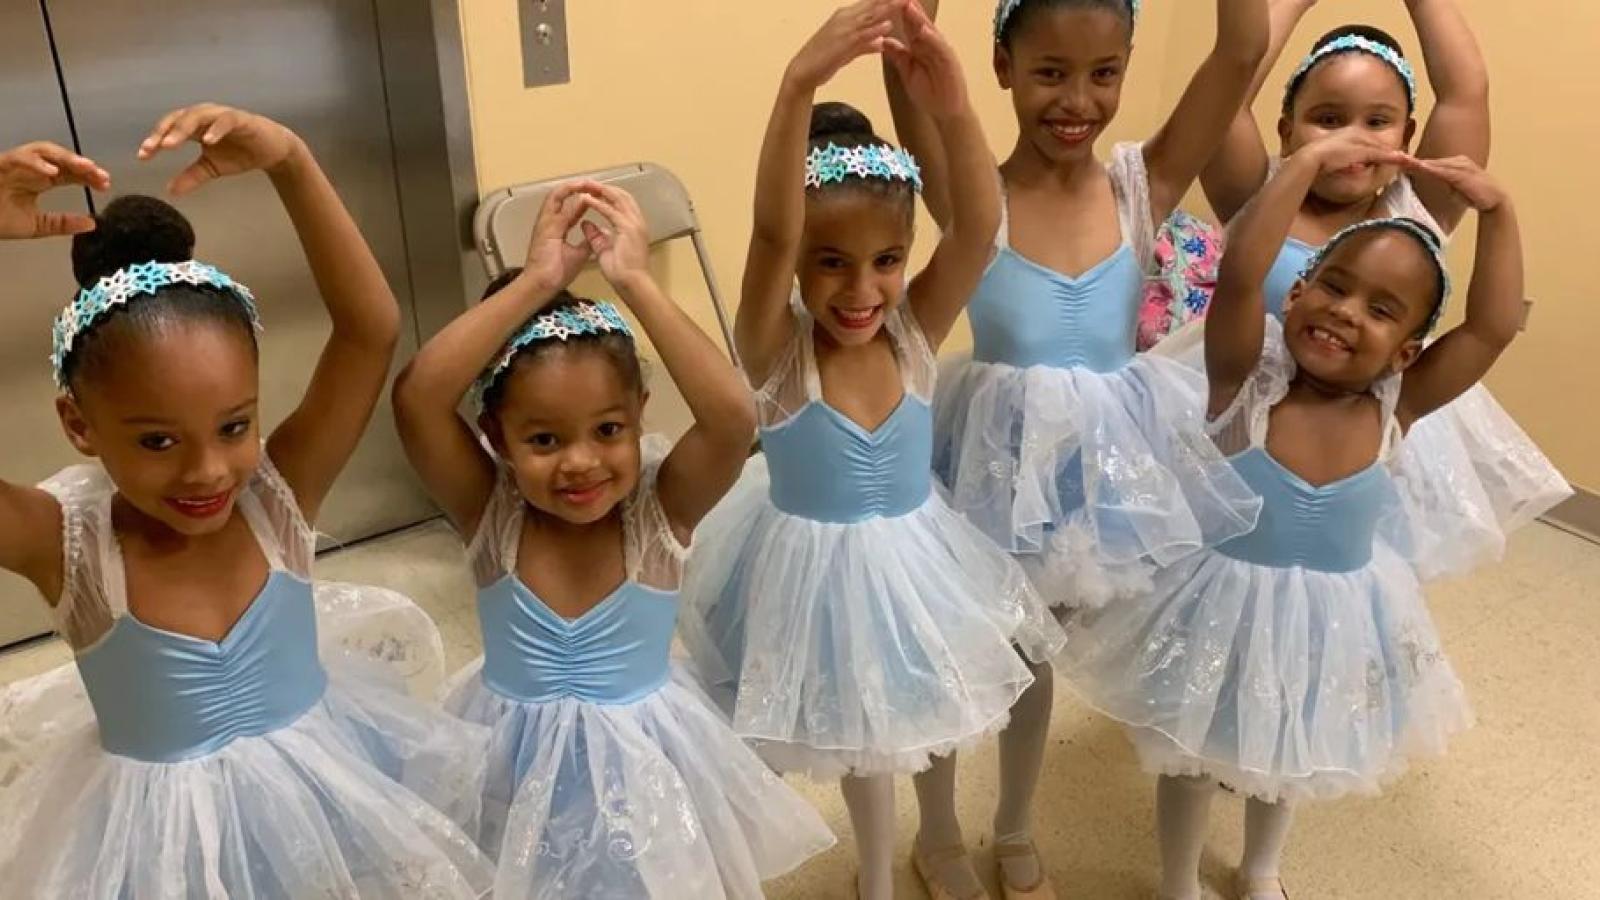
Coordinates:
[653,554]
[89,602]
[919,368]
[788,386]
[1130,182]
[492,550]
[274,513]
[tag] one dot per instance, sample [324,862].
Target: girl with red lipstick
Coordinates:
[1299,661]
[1471,464]
[858,625]
[611,773]
[1087,462]
[218,753]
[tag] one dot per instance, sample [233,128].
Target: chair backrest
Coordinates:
[504,222]
[505,219]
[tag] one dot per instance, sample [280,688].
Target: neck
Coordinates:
[1340,214]
[1028,167]
[1308,386]
[558,530]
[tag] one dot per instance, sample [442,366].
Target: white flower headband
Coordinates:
[573,320]
[125,285]
[1354,43]
[1410,226]
[1008,8]
[833,164]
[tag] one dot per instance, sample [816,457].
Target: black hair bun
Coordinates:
[130,230]
[1375,35]
[834,120]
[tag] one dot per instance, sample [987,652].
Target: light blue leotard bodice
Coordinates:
[1025,314]
[1292,260]
[827,468]
[166,697]
[616,652]
[1328,528]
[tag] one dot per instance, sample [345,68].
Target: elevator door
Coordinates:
[37,283]
[314,65]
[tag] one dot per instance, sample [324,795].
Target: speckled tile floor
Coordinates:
[1509,813]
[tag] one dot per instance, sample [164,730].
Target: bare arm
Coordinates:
[1459,123]
[1215,96]
[313,444]
[457,472]
[763,325]
[917,132]
[932,76]
[1460,359]
[708,458]
[1239,167]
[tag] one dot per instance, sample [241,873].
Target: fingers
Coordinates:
[199,172]
[62,166]
[599,241]
[62,224]
[188,123]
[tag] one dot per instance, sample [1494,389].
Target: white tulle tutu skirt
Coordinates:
[652,799]
[1280,683]
[865,647]
[365,795]
[1093,480]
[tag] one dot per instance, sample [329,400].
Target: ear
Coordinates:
[75,425]
[1411,131]
[489,424]
[1406,355]
[1002,66]
[1285,131]
[1293,295]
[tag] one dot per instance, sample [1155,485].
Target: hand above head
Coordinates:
[927,65]
[553,261]
[28,171]
[854,31]
[623,251]
[1467,180]
[232,142]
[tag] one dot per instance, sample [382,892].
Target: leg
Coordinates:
[941,854]
[1183,810]
[1266,831]
[870,801]
[1022,746]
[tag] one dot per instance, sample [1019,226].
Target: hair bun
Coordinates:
[839,120]
[130,230]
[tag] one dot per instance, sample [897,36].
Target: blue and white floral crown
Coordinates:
[586,317]
[1409,226]
[1008,8]
[1354,43]
[833,164]
[126,285]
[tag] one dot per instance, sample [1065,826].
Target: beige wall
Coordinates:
[689,85]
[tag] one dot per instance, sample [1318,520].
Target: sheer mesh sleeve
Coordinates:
[90,602]
[653,553]
[787,389]
[492,551]
[1400,199]
[286,537]
[1130,182]
[919,368]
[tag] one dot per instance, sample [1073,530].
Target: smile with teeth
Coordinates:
[1070,132]
[582,496]
[201,507]
[1330,340]
[856,318]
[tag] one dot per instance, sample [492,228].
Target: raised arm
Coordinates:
[457,472]
[708,458]
[916,130]
[1214,98]
[763,326]
[1239,167]
[313,444]
[1236,321]
[1459,123]
[30,519]
[932,76]
[1460,359]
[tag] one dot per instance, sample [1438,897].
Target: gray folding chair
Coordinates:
[505,219]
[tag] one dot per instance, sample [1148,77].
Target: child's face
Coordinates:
[569,425]
[173,419]
[1357,319]
[1350,91]
[852,266]
[1064,70]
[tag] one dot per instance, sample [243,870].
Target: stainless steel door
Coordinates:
[315,65]
[38,281]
